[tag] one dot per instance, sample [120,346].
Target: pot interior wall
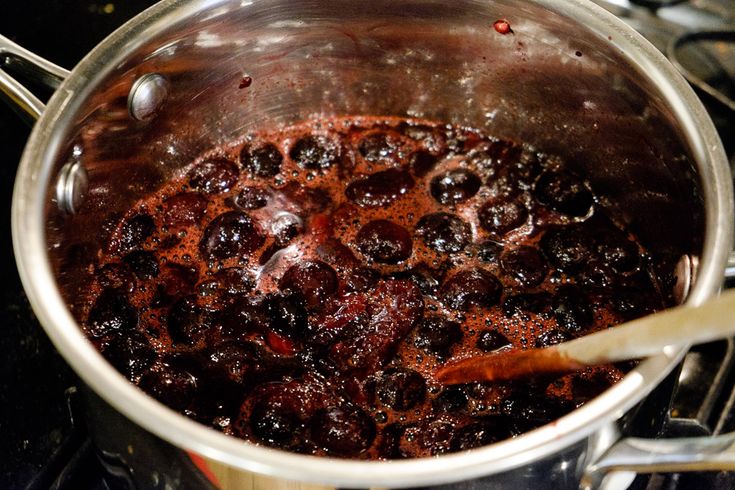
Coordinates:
[551,83]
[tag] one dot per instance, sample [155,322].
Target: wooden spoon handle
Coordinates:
[633,340]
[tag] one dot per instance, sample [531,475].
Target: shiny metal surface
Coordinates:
[147,95]
[18,59]
[618,111]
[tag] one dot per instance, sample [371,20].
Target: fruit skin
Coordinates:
[343,431]
[444,232]
[454,186]
[213,176]
[380,189]
[230,234]
[111,312]
[385,242]
[501,217]
[401,389]
[263,161]
[313,281]
[473,287]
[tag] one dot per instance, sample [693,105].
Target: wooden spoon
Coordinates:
[632,340]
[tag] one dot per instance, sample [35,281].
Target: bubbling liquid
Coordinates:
[298,288]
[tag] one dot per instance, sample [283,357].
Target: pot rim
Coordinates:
[29,243]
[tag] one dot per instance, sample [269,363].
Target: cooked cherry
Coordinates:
[237,362]
[451,399]
[567,248]
[489,251]
[563,192]
[112,312]
[426,278]
[131,354]
[539,303]
[231,234]
[312,281]
[525,265]
[360,279]
[241,318]
[336,253]
[310,200]
[314,152]
[380,189]
[617,251]
[504,185]
[502,217]
[252,197]
[401,389]
[184,209]
[444,232]
[491,340]
[437,334]
[480,434]
[379,146]
[285,227]
[531,409]
[275,423]
[422,162]
[186,322]
[134,232]
[342,431]
[286,314]
[552,337]
[384,241]
[172,387]
[213,176]
[474,287]
[263,161]
[143,264]
[454,186]
[571,311]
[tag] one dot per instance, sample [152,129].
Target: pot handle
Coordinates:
[17,59]
[730,268]
[636,455]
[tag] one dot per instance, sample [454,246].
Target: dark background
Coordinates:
[33,377]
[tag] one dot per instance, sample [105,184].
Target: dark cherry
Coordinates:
[313,281]
[186,322]
[552,337]
[337,253]
[568,248]
[285,227]
[230,234]
[213,176]
[342,431]
[533,408]
[314,152]
[454,186]
[171,386]
[444,232]
[252,197]
[572,312]
[489,251]
[174,281]
[524,265]
[482,433]
[538,303]
[142,263]
[563,192]
[379,189]
[428,279]
[286,314]
[134,232]
[474,287]
[239,363]
[263,161]
[501,217]
[452,399]
[380,146]
[360,279]
[384,241]
[401,389]
[422,162]
[241,318]
[112,312]
[310,200]
[615,250]
[492,340]
[184,209]
[504,185]
[275,423]
[437,334]
[131,354]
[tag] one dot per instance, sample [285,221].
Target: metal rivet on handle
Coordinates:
[71,188]
[147,95]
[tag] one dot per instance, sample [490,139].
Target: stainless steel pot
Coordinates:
[571,80]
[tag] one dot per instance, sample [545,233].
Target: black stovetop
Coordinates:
[41,447]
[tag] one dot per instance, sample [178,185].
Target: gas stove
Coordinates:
[45,444]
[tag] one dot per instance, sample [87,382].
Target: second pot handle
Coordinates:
[18,59]
[707,453]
